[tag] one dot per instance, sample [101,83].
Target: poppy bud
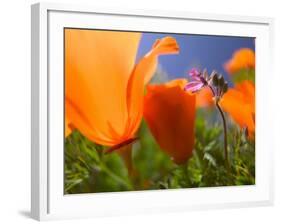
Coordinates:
[170,114]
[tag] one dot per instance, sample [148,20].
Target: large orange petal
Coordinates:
[98,65]
[142,74]
[239,102]
[242,59]
[170,114]
[82,121]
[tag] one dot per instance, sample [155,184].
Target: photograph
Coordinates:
[156,111]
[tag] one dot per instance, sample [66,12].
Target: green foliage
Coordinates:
[88,169]
[244,74]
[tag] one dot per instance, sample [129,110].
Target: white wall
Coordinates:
[15,110]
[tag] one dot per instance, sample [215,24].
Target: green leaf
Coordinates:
[210,146]
[210,159]
[244,74]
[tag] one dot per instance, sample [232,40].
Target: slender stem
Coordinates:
[224,131]
[225,137]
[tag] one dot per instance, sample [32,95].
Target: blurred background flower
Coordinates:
[204,98]
[239,103]
[243,58]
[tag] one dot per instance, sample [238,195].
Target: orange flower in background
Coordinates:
[239,102]
[103,85]
[204,98]
[170,114]
[243,58]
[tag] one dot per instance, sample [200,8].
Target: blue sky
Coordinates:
[201,51]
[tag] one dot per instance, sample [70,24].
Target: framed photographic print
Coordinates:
[146,111]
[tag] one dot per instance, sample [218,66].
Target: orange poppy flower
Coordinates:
[204,98]
[103,85]
[239,102]
[241,59]
[170,114]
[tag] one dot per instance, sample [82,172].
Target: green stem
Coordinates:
[225,137]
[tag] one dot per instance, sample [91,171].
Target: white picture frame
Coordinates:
[48,201]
